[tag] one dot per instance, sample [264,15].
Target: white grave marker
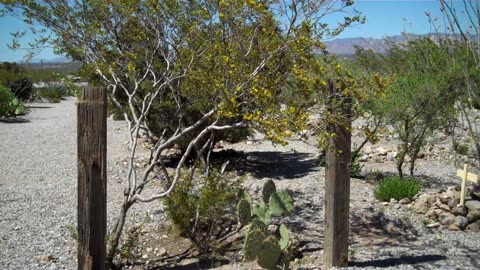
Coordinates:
[465,175]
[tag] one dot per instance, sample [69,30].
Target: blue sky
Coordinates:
[384,18]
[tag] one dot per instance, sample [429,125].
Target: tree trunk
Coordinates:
[116,233]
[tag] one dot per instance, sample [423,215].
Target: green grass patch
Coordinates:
[397,188]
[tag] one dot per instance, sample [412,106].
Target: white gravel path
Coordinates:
[38,182]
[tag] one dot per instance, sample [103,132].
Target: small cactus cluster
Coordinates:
[270,250]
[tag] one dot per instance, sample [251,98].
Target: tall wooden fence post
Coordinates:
[337,180]
[92,178]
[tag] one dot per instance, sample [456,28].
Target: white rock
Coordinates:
[382,151]
[433,225]
[162,252]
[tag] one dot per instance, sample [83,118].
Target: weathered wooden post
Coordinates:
[337,180]
[92,178]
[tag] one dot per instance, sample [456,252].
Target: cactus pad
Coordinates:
[263,214]
[258,225]
[244,195]
[268,189]
[281,203]
[253,244]
[269,254]
[244,213]
[284,237]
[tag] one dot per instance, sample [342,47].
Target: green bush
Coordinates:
[22,88]
[10,106]
[200,207]
[461,148]
[397,188]
[72,90]
[53,92]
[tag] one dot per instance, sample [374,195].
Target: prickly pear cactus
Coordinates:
[253,244]
[263,213]
[284,237]
[256,224]
[244,212]
[243,194]
[280,204]
[269,253]
[268,189]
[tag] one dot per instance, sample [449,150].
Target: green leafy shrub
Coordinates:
[10,106]
[53,92]
[72,90]
[461,148]
[397,188]
[200,208]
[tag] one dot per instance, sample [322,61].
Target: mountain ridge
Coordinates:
[345,46]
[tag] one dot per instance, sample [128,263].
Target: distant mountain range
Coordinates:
[60,59]
[340,46]
[345,46]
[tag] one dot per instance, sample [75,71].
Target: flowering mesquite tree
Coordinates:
[183,71]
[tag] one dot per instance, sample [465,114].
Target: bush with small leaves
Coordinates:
[397,188]
[202,208]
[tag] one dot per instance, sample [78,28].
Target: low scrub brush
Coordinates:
[397,188]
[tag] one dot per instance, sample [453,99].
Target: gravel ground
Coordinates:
[38,182]
[38,200]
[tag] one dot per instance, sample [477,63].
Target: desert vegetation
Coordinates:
[188,76]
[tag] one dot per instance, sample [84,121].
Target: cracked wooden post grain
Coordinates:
[337,181]
[92,178]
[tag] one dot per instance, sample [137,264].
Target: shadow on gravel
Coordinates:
[472,256]
[435,182]
[392,262]
[39,107]
[374,228]
[271,164]
[193,265]
[14,120]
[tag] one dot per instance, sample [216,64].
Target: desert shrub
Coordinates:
[394,187]
[461,148]
[420,99]
[22,88]
[127,249]
[356,167]
[53,92]
[10,106]
[72,90]
[202,207]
